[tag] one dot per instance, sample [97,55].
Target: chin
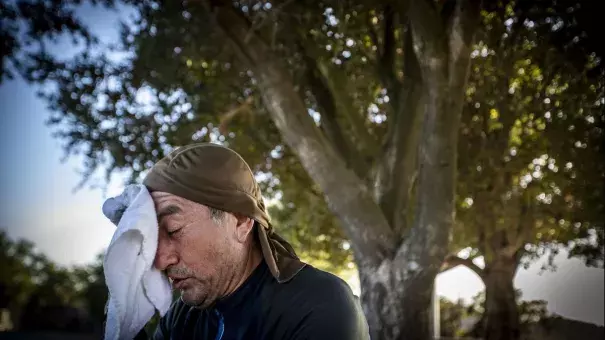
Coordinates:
[194,300]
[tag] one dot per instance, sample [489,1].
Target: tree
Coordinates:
[93,291]
[41,295]
[530,313]
[459,319]
[391,184]
[531,180]
[23,269]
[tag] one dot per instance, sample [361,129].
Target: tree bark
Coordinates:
[396,300]
[452,261]
[396,168]
[501,311]
[329,121]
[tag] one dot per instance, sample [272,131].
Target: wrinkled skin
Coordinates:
[205,258]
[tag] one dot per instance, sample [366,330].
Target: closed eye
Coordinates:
[171,233]
[176,231]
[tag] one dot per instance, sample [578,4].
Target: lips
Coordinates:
[177,282]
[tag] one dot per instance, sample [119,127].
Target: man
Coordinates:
[237,278]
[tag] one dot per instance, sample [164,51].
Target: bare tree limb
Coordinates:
[397,170]
[329,118]
[257,24]
[325,100]
[461,32]
[385,60]
[332,86]
[453,261]
[337,81]
[430,42]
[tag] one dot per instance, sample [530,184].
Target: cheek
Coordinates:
[204,253]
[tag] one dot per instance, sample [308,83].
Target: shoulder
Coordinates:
[319,285]
[325,307]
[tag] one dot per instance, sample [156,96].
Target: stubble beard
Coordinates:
[205,293]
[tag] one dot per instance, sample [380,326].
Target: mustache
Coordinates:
[179,272]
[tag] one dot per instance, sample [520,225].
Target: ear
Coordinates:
[243,228]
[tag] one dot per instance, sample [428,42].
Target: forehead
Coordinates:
[163,198]
[168,204]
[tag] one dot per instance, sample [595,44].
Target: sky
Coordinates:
[38,202]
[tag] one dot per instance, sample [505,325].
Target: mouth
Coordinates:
[177,282]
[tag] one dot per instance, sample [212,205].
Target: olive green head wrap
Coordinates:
[218,177]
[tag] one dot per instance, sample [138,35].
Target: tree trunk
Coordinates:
[501,312]
[396,303]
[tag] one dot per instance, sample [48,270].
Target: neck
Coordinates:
[252,260]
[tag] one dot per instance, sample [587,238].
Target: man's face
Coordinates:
[200,255]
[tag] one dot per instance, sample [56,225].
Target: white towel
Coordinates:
[136,288]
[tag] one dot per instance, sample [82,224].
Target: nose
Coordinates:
[165,255]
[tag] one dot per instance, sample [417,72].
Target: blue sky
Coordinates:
[37,199]
[37,202]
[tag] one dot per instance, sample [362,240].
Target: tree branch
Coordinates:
[396,171]
[260,21]
[453,261]
[437,158]
[362,219]
[329,121]
[337,82]
[386,60]
[261,140]
[461,32]
[429,34]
